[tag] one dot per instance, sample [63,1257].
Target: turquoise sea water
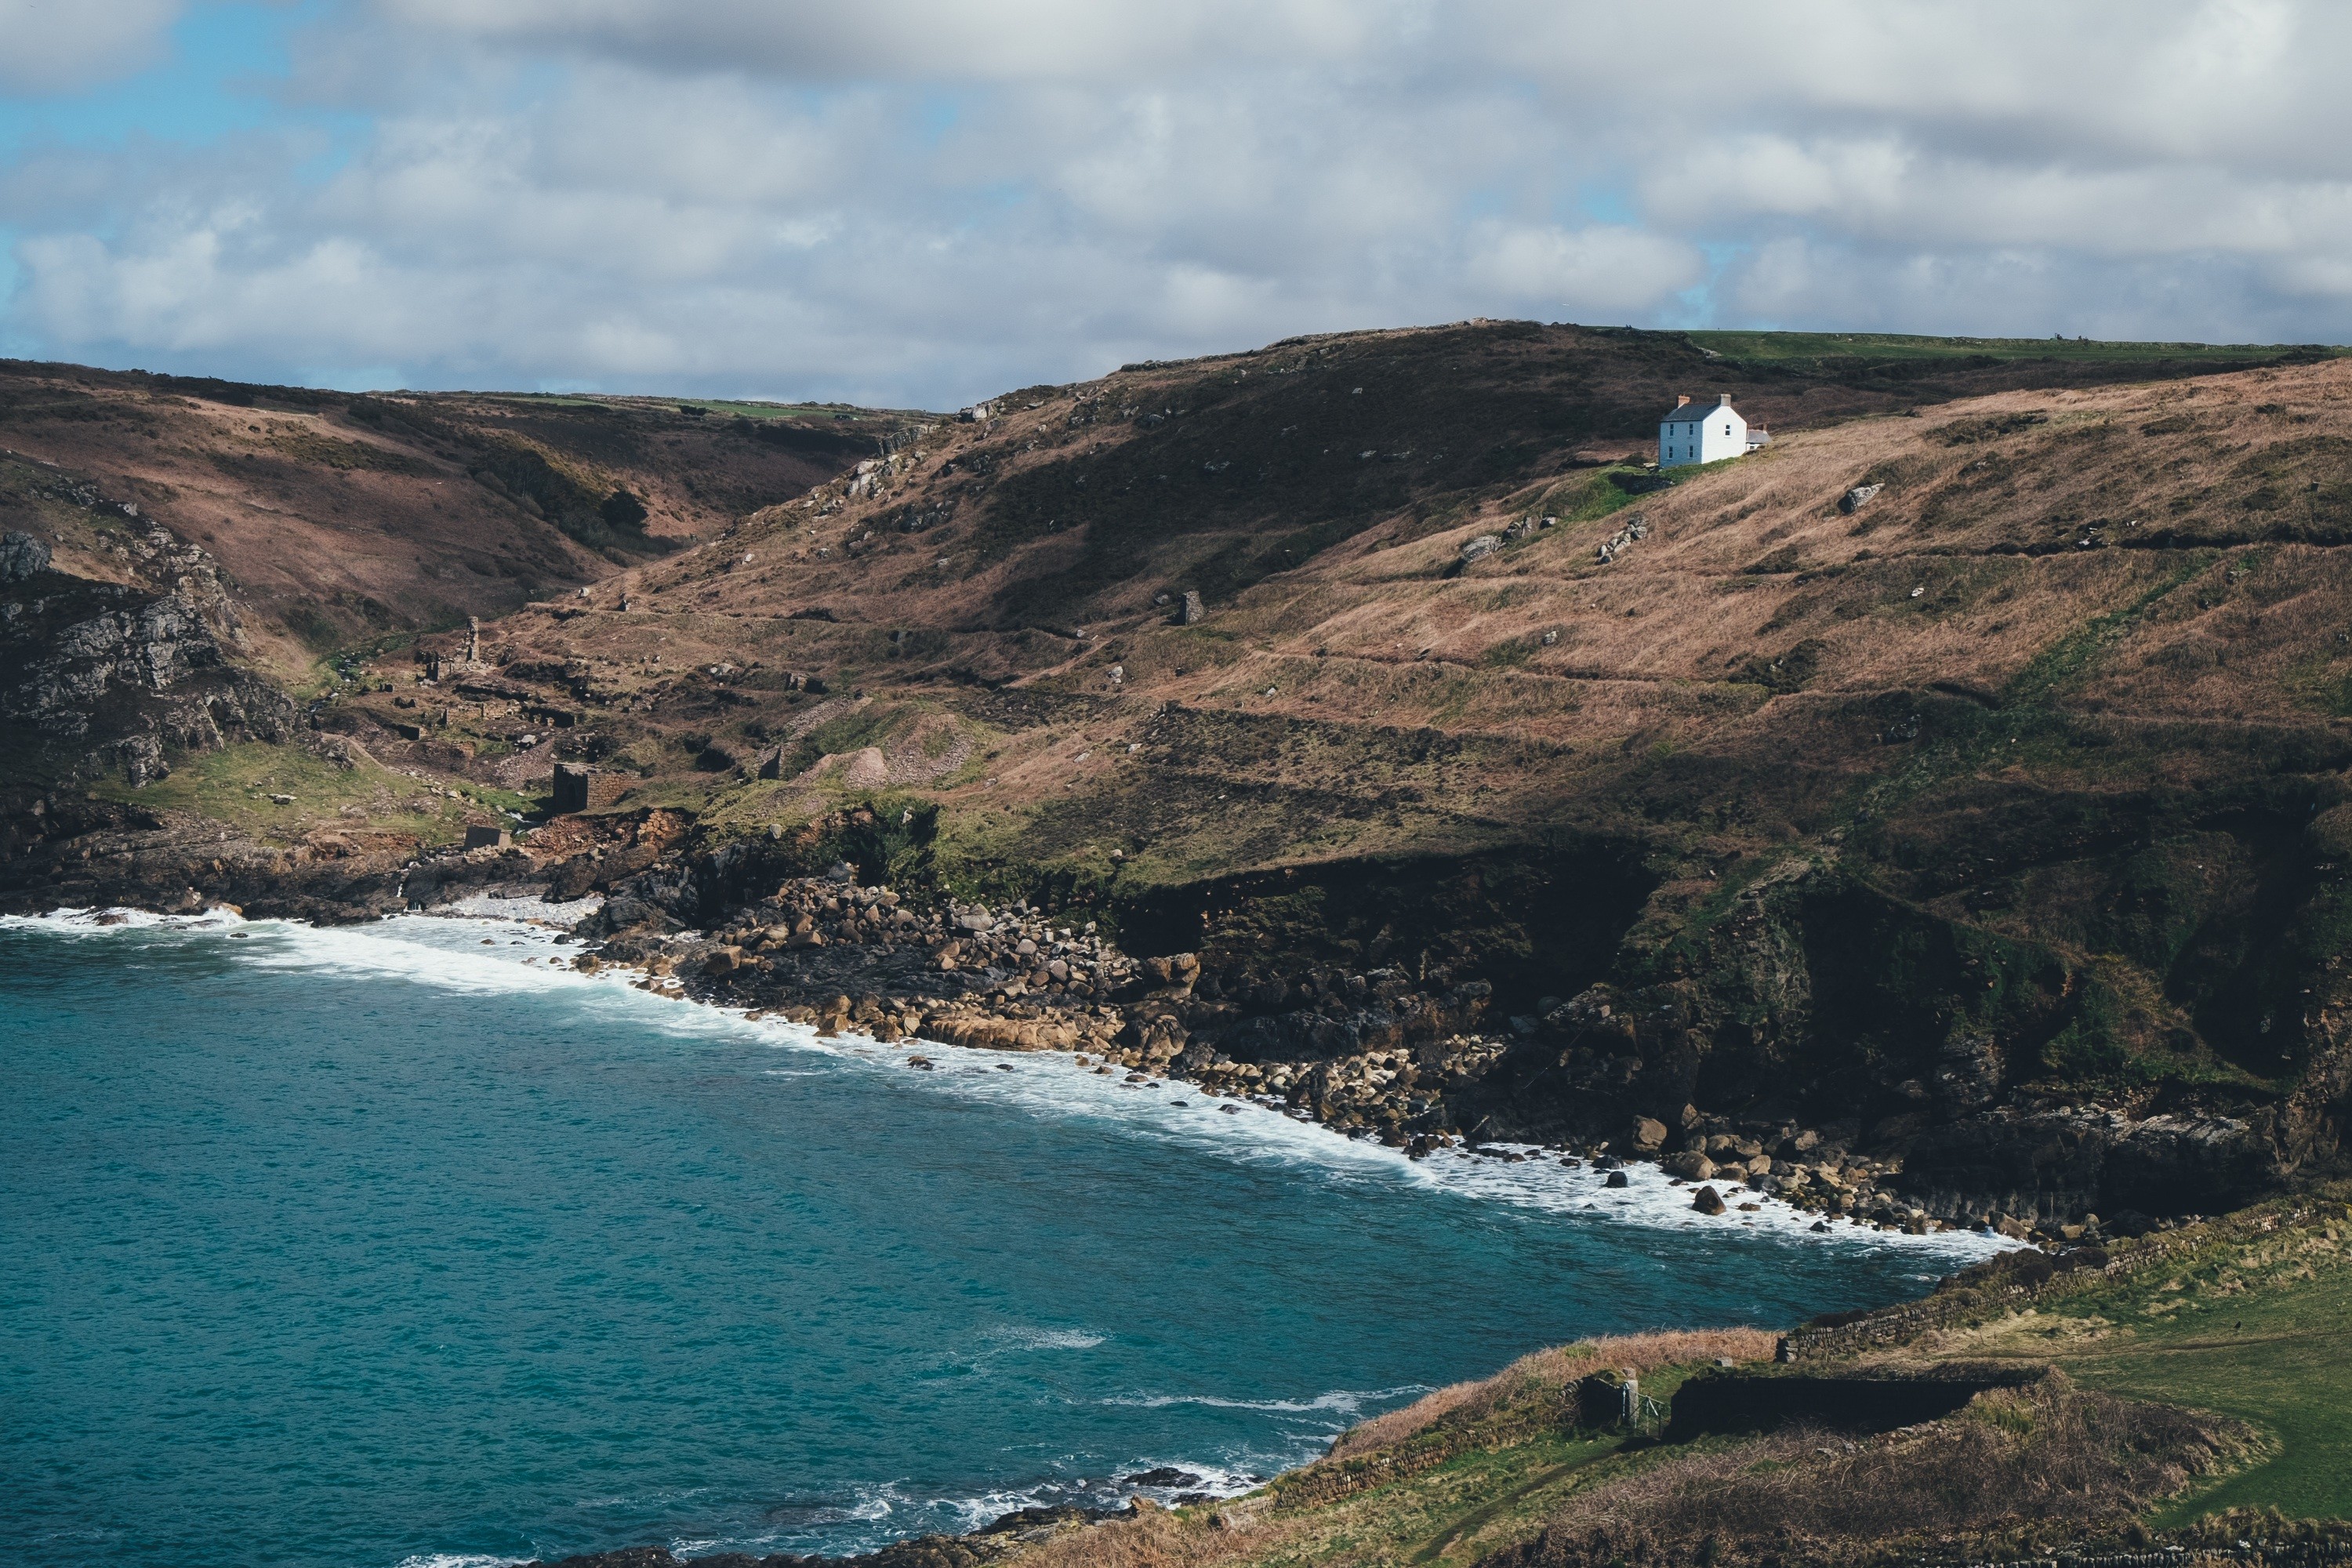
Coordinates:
[376,1247]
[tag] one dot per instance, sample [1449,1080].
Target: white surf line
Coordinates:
[1051,1082]
[107,921]
[486,955]
[527,907]
[1344,1401]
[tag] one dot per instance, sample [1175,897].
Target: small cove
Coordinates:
[380,1244]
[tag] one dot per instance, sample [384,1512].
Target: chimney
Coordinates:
[1725,402]
[1682,401]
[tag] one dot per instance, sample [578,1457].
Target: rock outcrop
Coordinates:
[112,678]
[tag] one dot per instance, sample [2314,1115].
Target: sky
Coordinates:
[916,202]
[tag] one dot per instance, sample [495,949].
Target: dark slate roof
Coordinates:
[1689,413]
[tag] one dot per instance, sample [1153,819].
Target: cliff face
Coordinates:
[115,676]
[1959,779]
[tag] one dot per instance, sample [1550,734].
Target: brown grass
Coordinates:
[1549,1371]
[2017,1466]
[1152,1540]
[2015,1470]
[1648,653]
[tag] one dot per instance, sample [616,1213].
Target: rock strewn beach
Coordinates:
[1412,1051]
[1381,1054]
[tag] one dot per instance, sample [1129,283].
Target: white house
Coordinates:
[1690,434]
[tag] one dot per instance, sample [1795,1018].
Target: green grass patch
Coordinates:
[2066,659]
[1590,496]
[235,786]
[1797,348]
[2250,1323]
[851,731]
[1464,1510]
[2097,1048]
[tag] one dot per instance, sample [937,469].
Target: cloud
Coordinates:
[920,203]
[1602,271]
[1013,40]
[48,47]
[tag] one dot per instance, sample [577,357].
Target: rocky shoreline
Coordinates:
[997,1539]
[1411,1050]
[841,957]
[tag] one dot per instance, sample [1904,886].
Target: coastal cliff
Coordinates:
[1935,817]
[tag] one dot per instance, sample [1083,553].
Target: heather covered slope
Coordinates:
[1087,500]
[342,520]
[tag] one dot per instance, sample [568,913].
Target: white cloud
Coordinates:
[1603,271]
[915,201]
[57,46]
[1011,40]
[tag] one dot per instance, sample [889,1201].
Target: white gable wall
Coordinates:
[1695,433]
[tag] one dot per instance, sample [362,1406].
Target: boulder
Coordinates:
[1649,1132]
[1690,1165]
[22,556]
[1003,1034]
[1165,1475]
[1706,1200]
[1854,500]
[1617,1179]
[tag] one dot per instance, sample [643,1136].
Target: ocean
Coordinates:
[397,1244]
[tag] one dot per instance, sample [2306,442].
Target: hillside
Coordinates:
[1993,827]
[342,520]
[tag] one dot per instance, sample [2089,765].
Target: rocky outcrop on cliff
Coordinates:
[111,676]
[68,851]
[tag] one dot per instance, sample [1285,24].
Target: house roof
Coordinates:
[1694,411]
